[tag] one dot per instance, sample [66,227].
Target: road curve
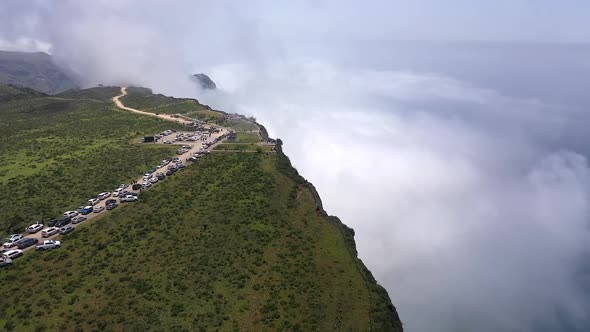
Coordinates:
[161,116]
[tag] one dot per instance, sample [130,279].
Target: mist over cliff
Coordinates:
[462,166]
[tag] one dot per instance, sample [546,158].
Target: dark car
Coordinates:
[51,222]
[65,230]
[169,172]
[111,206]
[63,222]
[110,201]
[136,186]
[26,242]
[160,176]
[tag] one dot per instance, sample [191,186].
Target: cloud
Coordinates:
[471,223]
[23,44]
[463,167]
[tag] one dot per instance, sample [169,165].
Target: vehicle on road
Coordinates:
[26,242]
[47,232]
[65,230]
[48,244]
[98,209]
[78,219]
[104,195]
[12,254]
[5,261]
[93,201]
[129,198]
[111,206]
[34,228]
[70,214]
[12,240]
[87,210]
[64,221]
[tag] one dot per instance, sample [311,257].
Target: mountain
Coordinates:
[34,70]
[238,240]
[204,81]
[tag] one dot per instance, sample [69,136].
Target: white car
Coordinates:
[153,179]
[48,244]
[129,198]
[146,184]
[104,195]
[70,214]
[123,186]
[12,254]
[93,201]
[34,228]
[47,232]
[117,192]
[11,241]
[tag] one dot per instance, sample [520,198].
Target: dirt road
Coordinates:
[161,116]
[195,147]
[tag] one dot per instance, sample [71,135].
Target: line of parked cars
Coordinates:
[62,226]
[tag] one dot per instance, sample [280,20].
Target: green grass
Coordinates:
[235,242]
[242,147]
[247,137]
[55,153]
[242,249]
[240,125]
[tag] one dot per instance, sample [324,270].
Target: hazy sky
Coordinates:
[463,167]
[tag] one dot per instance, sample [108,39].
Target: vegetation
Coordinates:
[34,70]
[240,125]
[145,100]
[55,153]
[234,242]
[242,249]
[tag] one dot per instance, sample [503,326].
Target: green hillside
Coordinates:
[57,152]
[35,70]
[235,242]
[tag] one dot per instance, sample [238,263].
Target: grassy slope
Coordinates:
[232,243]
[55,153]
[237,242]
[143,99]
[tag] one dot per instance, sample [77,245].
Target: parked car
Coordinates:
[193,159]
[123,186]
[110,201]
[160,176]
[34,228]
[169,172]
[93,201]
[146,185]
[153,180]
[12,254]
[98,209]
[104,195]
[64,221]
[129,198]
[80,208]
[87,210]
[12,240]
[111,206]
[165,162]
[65,230]
[117,192]
[47,232]
[26,242]
[48,244]
[5,261]
[180,165]
[70,214]
[78,219]
[136,186]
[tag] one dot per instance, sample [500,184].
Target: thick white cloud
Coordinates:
[462,167]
